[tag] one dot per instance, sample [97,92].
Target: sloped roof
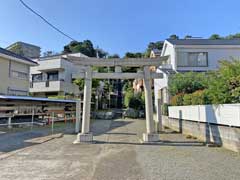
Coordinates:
[204,41]
[14,55]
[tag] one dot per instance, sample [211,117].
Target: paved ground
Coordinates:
[118,155]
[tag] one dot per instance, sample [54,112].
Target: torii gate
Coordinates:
[146,75]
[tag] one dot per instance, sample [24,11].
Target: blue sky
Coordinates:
[117,26]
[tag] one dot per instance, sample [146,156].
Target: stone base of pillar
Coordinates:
[84,138]
[158,127]
[150,137]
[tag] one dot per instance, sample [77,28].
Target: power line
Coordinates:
[46,21]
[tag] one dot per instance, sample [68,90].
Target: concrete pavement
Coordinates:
[118,155]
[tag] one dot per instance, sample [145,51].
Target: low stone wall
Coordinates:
[226,136]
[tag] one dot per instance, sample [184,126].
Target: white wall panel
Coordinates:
[225,114]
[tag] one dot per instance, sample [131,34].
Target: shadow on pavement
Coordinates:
[99,130]
[159,143]
[122,133]
[12,141]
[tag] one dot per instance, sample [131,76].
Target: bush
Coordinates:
[165,109]
[128,95]
[187,99]
[177,100]
[224,85]
[215,87]
[135,101]
[199,97]
[187,82]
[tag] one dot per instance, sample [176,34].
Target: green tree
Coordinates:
[215,36]
[187,37]
[133,55]
[230,36]
[173,36]
[153,45]
[100,53]
[233,36]
[224,84]
[80,83]
[134,100]
[187,82]
[85,47]
[113,56]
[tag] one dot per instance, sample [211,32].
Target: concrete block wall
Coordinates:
[226,136]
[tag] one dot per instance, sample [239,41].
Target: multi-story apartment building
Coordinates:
[197,55]
[14,73]
[25,49]
[54,76]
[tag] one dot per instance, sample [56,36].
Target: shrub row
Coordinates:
[196,98]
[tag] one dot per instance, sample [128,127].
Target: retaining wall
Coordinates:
[226,136]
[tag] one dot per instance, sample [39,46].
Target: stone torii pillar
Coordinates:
[150,135]
[78,116]
[86,135]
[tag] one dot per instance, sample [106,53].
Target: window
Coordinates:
[37,77]
[19,75]
[52,76]
[19,92]
[193,59]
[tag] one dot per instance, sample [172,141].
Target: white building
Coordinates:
[54,76]
[14,73]
[25,49]
[197,55]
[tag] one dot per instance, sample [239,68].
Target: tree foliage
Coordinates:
[177,100]
[153,45]
[173,36]
[230,36]
[216,87]
[187,82]
[187,37]
[133,55]
[215,36]
[134,100]
[113,56]
[224,85]
[80,83]
[85,47]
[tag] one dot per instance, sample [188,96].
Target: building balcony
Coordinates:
[51,65]
[54,86]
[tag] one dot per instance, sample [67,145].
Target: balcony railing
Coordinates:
[50,86]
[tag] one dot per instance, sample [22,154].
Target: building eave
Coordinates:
[31,63]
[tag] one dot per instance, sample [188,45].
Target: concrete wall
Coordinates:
[4,75]
[224,114]
[228,137]
[7,81]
